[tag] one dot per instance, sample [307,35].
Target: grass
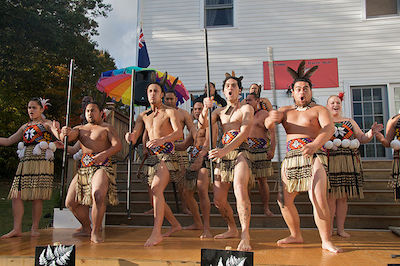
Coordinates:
[6,217]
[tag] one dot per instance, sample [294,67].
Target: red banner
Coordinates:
[326,75]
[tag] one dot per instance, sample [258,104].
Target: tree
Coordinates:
[38,38]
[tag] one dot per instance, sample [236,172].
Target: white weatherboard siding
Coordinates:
[368,51]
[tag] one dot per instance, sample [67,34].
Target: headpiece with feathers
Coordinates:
[233,75]
[45,103]
[165,84]
[301,75]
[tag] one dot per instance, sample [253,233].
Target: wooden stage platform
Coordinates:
[124,246]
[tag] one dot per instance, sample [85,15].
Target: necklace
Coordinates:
[302,108]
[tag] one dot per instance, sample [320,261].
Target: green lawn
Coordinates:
[6,217]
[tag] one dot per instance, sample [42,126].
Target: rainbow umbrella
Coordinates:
[117,84]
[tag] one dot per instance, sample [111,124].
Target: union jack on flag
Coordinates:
[143,56]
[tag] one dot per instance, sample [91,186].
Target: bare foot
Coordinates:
[244,245]
[172,230]
[13,233]
[206,234]
[193,227]
[82,232]
[231,233]
[330,247]
[35,233]
[151,211]
[96,237]
[290,240]
[343,234]
[153,240]
[268,212]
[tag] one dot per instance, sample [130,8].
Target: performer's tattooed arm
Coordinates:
[271,152]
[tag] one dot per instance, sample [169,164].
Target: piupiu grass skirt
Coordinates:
[173,163]
[84,185]
[34,177]
[395,182]
[345,173]
[260,166]
[227,164]
[298,169]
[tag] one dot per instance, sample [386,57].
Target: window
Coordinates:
[369,106]
[381,8]
[218,13]
[397,99]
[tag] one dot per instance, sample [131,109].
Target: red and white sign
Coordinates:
[326,75]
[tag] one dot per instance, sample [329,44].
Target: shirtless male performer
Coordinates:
[94,185]
[163,128]
[185,119]
[198,171]
[236,122]
[308,126]
[261,143]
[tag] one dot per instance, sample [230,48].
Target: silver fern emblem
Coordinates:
[232,261]
[60,256]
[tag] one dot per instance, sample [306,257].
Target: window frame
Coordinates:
[203,13]
[364,12]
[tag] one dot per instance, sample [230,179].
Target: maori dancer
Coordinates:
[392,140]
[94,185]
[345,173]
[163,128]
[185,120]
[33,180]
[308,126]
[199,172]
[264,104]
[218,100]
[261,143]
[233,161]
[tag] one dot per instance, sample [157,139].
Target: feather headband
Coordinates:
[301,74]
[45,103]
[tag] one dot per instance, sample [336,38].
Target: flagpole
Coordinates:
[272,84]
[131,114]
[64,168]
[208,93]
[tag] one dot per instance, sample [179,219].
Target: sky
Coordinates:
[117,32]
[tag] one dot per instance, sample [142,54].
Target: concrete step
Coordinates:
[377,195]
[355,208]
[258,221]
[369,183]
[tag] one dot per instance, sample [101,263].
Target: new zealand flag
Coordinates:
[143,60]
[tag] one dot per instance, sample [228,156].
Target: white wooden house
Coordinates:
[364,35]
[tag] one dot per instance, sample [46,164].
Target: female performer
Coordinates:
[392,140]
[344,166]
[33,180]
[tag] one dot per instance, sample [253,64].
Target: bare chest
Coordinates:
[93,134]
[307,118]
